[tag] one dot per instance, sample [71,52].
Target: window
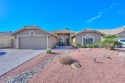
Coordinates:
[88,40]
[32,33]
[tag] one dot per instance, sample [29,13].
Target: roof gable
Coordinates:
[86,30]
[32,27]
[62,31]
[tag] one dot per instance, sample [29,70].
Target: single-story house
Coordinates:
[33,37]
[5,40]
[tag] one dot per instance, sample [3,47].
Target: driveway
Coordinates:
[11,58]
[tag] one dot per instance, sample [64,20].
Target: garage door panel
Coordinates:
[33,42]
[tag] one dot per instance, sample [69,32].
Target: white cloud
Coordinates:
[101,13]
[94,18]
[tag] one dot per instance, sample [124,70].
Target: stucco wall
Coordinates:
[5,42]
[54,41]
[78,38]
[121,35]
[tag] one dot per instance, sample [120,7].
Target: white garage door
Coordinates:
[33,42]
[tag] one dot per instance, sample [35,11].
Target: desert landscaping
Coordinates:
[96,66]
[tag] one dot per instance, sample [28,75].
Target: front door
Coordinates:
[67,42]
[61,42]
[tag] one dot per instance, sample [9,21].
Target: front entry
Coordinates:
[61,42]
[67,42]
[64,42]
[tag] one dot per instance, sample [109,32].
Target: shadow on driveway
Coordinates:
[2,53]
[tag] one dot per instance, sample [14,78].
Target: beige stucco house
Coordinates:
[33,37]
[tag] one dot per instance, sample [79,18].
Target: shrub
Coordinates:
[84,46]
[48,50]
[109,41]
[76,44]
[66,60]
[91,46]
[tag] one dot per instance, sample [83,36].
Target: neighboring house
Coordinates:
[33,37]
[5,40]
[120,32]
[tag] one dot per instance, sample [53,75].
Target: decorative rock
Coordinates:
[75,65]
[25,76]
[89,48]
[120,53]
[104,55]
[117,53]
[94,60]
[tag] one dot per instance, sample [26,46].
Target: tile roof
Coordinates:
[33,27]
[88,30]
[62,31]
[5,34]
[113,31]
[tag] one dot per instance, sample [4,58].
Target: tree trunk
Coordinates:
[110,48]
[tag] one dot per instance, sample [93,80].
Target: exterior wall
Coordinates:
[54,41]
[14,43]
[121,35]
[5,42]
[26,33]
[73,41]
[78,38]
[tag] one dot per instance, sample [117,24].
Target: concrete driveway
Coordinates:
[11,58]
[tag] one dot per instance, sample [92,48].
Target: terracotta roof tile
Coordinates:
[5,34]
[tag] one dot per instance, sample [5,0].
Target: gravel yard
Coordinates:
[104,70]
[97,66]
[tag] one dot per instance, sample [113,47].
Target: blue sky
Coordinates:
[59,14]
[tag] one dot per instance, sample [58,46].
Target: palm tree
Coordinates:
[109,41]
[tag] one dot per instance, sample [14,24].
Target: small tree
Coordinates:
[109,41]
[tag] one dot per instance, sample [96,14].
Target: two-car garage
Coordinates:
[33,42]
[32,37]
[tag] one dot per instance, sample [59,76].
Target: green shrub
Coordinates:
[91,46]
[48,50]
[66,60]
[84,46]
[109,41]
[76,44]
